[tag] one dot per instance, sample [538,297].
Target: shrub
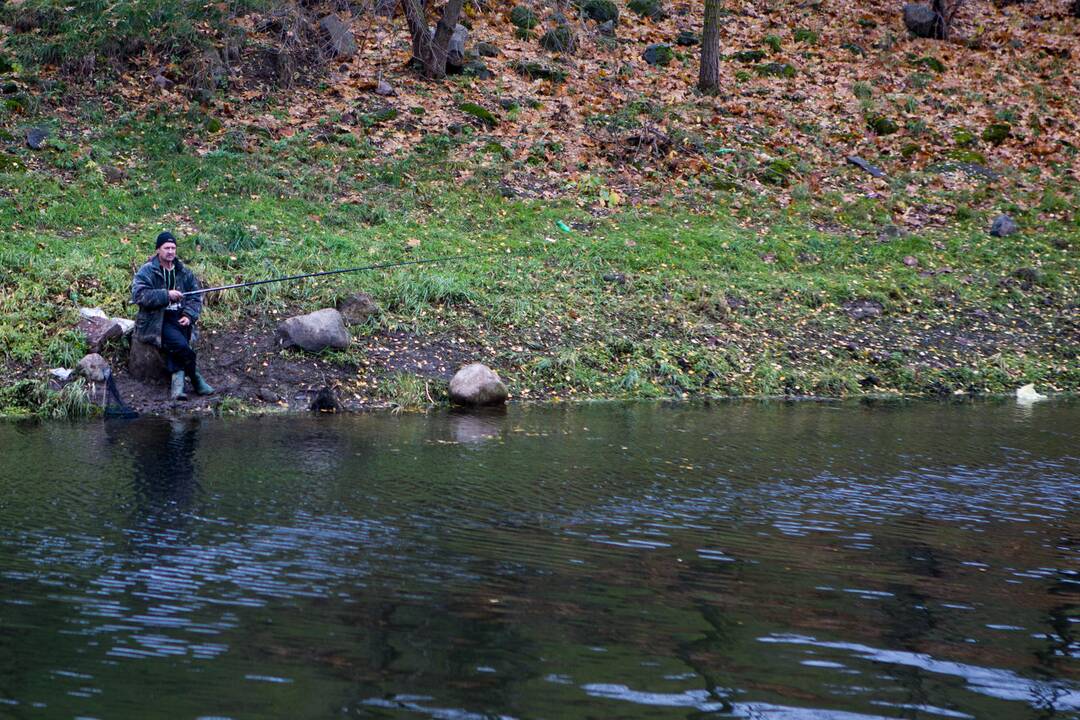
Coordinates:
[600,10]
[647,8]
[559,39]
[524,18]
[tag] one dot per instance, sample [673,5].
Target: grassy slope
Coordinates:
[731,287]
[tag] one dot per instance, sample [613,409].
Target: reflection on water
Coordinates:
[750,561]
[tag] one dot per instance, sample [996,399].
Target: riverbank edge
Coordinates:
[229,406]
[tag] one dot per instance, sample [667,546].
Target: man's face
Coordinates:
[167,252]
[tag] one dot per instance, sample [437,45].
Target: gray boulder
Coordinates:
[921,20]
[126,326]
[455,50]
[93,367]
[36,137]
[357,308]
[658,54]
[315,331]
[1003,226]
[477,385]
[147,364]
[339,40]
[99,330]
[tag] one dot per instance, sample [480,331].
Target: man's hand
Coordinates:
[175,296]
[184,321]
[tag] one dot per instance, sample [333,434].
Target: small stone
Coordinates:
[477,69]
[268,395]
[1003,226]
[36,137]
[890,232]
[92,312]
[163,82]
[384,89]
[113,174]
[615,277]
[607,29]
[61,374]
[1027,275]
[687,38]
[863,308]
[486,49]
[93,367]
[911,261]
[325,401]
[658,54]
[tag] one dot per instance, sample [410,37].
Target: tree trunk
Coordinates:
[431,51]
[941,23]
[709,77]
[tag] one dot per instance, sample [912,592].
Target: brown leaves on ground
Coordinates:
[1011,65]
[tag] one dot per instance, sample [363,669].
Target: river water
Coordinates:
[779,561]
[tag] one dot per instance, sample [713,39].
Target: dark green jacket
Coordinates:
[149,293]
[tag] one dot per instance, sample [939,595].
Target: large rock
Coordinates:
[339,39]
[93,367]
[357,309]
[99,330]
[922,21]
[315,331]
[455,51]
[146,363]
[126,326]
[477,384]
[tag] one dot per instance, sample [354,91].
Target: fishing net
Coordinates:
[114,404]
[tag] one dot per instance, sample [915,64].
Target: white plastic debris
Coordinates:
[61,374]
[1028,394]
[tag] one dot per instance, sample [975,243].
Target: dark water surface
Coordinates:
[789,562]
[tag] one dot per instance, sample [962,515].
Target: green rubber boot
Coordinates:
[201,386]
[176,390]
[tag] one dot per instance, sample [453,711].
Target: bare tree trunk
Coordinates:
[709,77]
[431,51]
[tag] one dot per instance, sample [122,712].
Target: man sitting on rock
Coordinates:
[167,316]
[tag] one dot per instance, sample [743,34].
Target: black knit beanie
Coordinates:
[163,238]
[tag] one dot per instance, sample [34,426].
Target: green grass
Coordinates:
[539,304]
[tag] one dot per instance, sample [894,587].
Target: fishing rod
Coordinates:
[381,266]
